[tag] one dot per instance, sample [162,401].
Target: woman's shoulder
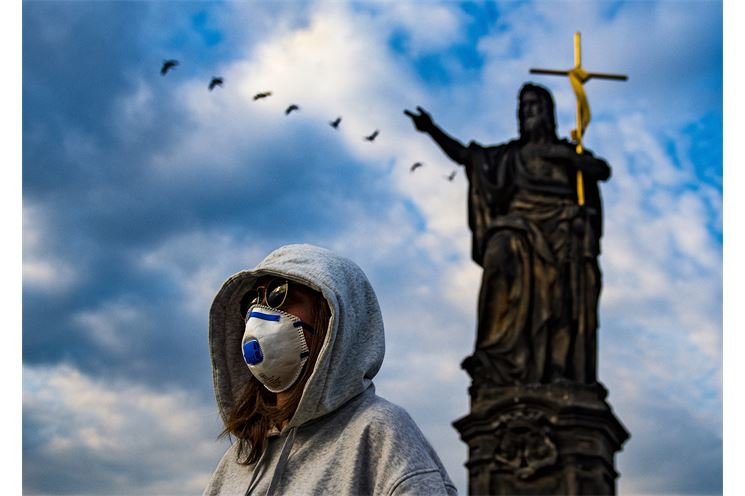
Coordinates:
[381,419]
[401,450]
[374,407]
[371,420]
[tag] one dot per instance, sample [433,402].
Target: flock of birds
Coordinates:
[216,81]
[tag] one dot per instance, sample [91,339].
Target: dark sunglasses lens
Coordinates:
[276,293]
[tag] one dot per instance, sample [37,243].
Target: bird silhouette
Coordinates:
[265,94]
[167,66]
[335,123]
[372,136]
[216,81]
[291,108]
[451,176]
[415,166]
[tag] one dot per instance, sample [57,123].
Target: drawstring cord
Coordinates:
[258,469]
[282,462]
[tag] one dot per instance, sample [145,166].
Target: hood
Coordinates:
[353,349]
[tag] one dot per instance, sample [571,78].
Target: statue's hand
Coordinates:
[422,121]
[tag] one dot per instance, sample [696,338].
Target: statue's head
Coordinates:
[536,113]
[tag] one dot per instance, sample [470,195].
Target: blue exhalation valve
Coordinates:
[252,352]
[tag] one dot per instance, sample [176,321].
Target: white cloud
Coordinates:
[428,30]
[661,321]
[331,66]
[116,433]
[189,260]
[113,326]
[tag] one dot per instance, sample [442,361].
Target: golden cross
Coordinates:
[578,77]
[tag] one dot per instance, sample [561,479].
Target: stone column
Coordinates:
[541,439]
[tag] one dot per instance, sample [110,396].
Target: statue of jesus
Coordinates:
[537,308]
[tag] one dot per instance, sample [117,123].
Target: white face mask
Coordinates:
[274,347]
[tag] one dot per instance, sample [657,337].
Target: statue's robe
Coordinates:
[537,312]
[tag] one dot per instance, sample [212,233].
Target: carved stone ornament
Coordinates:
[524,443]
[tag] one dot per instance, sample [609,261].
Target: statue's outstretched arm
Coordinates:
[452,147]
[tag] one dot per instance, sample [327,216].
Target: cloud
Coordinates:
[87,435]
[42,270]
[661,327]
[111,327]
[617,38]
[649,468]
[183,261]
[425,31]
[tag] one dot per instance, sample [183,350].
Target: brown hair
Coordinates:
[255,410]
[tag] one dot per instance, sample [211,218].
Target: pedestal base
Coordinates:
[541,439]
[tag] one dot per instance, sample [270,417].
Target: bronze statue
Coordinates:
[537,309]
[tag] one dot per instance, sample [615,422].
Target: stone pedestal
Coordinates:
[541,439]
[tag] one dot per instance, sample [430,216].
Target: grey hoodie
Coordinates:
[343,438]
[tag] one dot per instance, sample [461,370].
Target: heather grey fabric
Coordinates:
[343,438]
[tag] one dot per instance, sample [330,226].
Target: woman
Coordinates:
[295,345]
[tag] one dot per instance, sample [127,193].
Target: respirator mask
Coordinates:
[273,345]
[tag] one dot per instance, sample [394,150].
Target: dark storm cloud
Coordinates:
[79,57]
[73,58]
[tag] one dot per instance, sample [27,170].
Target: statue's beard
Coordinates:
[536,129]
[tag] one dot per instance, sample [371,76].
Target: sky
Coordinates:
[142,193]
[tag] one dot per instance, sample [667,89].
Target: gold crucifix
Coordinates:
[578,77]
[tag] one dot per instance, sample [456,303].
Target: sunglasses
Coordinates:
[273,294]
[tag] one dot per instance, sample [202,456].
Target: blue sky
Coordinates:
[143,193]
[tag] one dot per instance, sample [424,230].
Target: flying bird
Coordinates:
[372,136]
[291,108]
[167,66]
[451,176]
[262,95]
[216,81]
[415,166]
[335,123]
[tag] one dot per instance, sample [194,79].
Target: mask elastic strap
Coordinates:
[305,326]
